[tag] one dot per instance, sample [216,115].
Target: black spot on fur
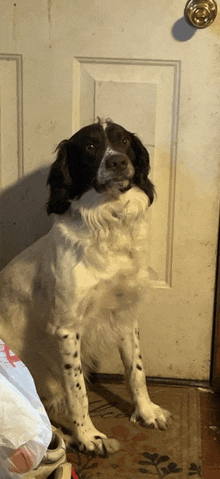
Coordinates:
[68,366]
[137,333]
[97,437]
[75,354]
[77,385]
[77,336]
[139,367]
[138,418]
[65,336]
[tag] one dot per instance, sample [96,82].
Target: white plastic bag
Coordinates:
[25,429]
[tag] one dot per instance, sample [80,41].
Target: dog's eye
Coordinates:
[124,141]
[90,147]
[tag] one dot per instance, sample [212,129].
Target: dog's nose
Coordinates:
[116,163]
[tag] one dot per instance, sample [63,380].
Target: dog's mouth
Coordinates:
[120,184]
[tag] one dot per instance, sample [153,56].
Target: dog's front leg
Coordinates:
[86,436]
[146,412]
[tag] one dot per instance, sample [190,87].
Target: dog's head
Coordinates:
[99,158]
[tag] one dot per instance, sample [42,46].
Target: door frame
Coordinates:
[215,363]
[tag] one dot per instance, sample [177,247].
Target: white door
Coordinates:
[138,62]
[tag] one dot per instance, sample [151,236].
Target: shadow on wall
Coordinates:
[23,214]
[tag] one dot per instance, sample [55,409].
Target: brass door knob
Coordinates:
[201,13]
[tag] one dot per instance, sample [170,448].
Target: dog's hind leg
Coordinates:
[85,435]
[146,412]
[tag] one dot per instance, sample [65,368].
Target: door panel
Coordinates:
[143,96]
[122,60]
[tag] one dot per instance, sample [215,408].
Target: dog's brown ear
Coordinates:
[60,181]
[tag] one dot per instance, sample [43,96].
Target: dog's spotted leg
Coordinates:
[85,435]
[146,412]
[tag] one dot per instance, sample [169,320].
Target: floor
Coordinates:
[210,434]
[175,451]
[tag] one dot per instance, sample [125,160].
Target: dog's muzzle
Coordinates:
[115,168]
[116,164]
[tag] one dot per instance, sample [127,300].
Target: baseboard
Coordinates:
[117,378]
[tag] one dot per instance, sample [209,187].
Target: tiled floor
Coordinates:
[210,434]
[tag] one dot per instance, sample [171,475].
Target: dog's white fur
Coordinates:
[67,296]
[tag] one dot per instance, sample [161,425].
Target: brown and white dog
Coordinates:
[69,294]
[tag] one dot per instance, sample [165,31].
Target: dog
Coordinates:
[74,291]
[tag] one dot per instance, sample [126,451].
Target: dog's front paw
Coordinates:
[151,416]
[101,446]
[95,442]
